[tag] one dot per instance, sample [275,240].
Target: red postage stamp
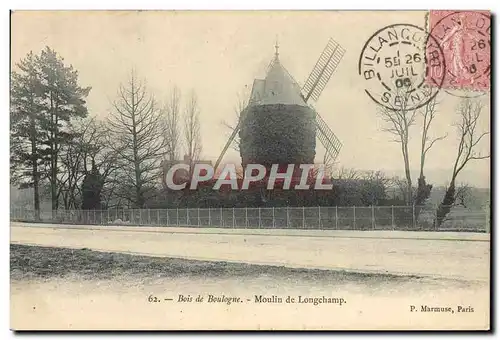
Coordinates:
[464,37]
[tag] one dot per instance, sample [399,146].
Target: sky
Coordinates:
[219,54]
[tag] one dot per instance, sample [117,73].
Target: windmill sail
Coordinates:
[323,70]
[331,143]
[228,143]
[314,86]
[279,87]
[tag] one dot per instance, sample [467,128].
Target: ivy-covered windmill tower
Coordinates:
[279,126]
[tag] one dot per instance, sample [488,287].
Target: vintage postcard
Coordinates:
[250,170]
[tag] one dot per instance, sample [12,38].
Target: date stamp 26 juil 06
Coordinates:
[400,68]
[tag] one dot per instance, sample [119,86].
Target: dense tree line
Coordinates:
[60,148]
[86,162]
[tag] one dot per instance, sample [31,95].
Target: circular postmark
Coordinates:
[400,69]
[464,37]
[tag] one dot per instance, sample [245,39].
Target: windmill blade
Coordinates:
[331,143]
[323,70]
[228,143]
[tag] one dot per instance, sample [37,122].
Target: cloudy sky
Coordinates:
[218,54]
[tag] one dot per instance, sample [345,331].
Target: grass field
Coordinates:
[33,263]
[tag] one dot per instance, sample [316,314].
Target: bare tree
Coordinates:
[192,133]
[469,111]
[348,174]
[171,116]
[242,100]
[69,175]
[87,147]
[428,113]
[398,188]
[376,176]
[111,194]
[72,164]
[328,164]
[399,120]
[103,157]
[136,135]
[463,194]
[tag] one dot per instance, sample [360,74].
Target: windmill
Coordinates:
[280,92]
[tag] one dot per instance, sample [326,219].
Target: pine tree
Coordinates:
[45,97]
[63,100]
[25,134]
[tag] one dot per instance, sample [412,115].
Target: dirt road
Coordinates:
[448,255]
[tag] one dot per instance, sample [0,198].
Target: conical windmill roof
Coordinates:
[277,88]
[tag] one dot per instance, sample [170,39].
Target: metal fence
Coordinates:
[323,218]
